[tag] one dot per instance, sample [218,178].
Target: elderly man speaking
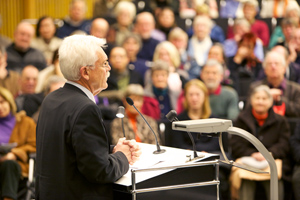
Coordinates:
[74,158]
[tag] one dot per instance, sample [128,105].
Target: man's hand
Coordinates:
[276,94]
[135,150]
[130,148]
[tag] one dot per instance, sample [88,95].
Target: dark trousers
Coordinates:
[10,173]
[296,182]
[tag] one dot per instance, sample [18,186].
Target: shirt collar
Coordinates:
[84,89]
[217,91]
[282,85]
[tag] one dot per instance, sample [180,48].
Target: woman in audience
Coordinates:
[200,42]
[17,131]
[179,39]
[167,52]
[159,98]
[165,21]
[133,44]
[272,130]
[46,73]
[45,40]
[134,125]
[245,67]
[125,13]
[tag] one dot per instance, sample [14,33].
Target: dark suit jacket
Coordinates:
[73,154]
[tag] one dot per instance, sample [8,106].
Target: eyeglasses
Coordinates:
[105,65]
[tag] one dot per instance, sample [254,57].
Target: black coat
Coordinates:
[73,154]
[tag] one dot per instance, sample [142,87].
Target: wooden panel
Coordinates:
[13,11]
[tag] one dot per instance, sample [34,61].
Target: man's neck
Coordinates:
[275,82]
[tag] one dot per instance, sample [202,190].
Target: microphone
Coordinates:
[159,150]
[120,114]
[172,116]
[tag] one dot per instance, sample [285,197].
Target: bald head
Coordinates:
[145,24]
[23,35]
[28,79]
[281,50]
[99,28]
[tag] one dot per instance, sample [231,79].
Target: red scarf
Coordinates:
[132,120]
[260,118]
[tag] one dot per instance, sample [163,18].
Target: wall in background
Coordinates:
[14,11]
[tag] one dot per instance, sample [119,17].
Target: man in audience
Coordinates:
[223,100]
[292,69]
[8,78]
[20,54]
[27,82]
[76,19]
[99,29]
[121,76]
[144,26]
[286,94]
[294,47]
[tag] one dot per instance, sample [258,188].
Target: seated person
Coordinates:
[240,28]
[286,94]
[179,39]
[165,21]
[45,40]
[76,19]
[223,99]
[132,44]
[20,54]
[245,67]
[8,78]
[121,75]
[19,129]
[134,125]
[159,99]
[271,129]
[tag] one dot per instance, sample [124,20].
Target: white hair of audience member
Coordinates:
[212,63]
[252,3]
[172,51]
[74,1]
[263,88]
[54,79]
[242,22]
[178,33]
[200,19]
[77,51]
[126,6]
[292,7]
[283,61]
[134,89]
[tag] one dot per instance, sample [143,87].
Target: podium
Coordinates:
[170,176]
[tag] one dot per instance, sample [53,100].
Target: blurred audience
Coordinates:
[200,42]
[295,146]
[285,93]
[240,28]
[125,12]
[165,21]
[45,40]
[144,26]
[134,125]
[17,130]
[159,99]
[245,67]
[75,20]
[294,47]
[179,39]
[223,100]
[8,78]
[27,83]
[276,8]
[121,75]
[20,54]
[132,44]
[272,130]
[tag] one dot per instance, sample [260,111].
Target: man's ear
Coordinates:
[84,72]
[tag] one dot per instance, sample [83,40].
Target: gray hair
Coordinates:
[53,80]
[263,88]
[283,61]
[202,18]
[134,89]
[252,3]
[212,63]
[134,36]
[159,65]
[125,5]
[77,51]
[242,22]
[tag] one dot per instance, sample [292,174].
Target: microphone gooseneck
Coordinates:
[121,114]
[159,150]
[172,117]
